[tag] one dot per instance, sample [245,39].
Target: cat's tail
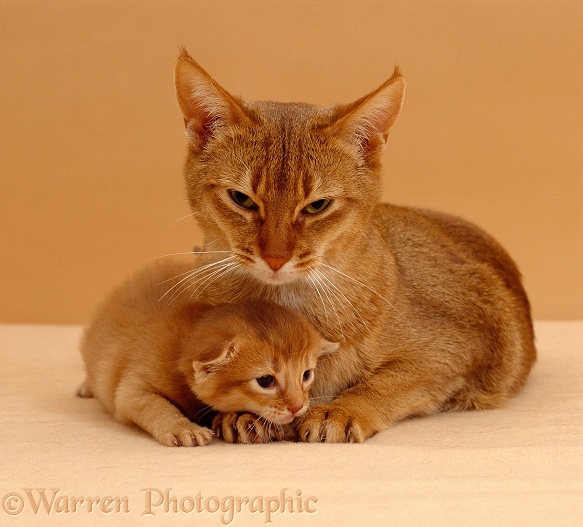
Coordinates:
[84,390]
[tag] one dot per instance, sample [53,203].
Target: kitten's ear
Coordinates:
[328,347]
[366,122]
[210,357]
[207,108]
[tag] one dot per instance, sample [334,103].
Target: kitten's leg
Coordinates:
[158,416]
[84,390]
[245,427]
[390,395]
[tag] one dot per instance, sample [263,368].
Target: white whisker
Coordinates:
[174,222]
[326,290]
[360,283]
[214,276]
[315,286]
[192,274]
[376,249]
[336,288]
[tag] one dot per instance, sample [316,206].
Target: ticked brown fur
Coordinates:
[429,308]
[162,362]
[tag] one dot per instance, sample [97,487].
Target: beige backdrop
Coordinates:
[91,139]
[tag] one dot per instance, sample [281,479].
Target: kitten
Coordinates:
[157,360]
[430,309]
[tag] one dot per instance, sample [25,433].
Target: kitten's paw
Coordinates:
[244,427]
[185,434]
[328,423]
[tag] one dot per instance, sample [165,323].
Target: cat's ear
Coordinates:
[366,122]
[207,108]
[327,347]
[208,358]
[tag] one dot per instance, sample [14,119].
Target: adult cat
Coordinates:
[429,308]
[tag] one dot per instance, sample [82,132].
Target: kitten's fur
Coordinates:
[430,309]
[156,359]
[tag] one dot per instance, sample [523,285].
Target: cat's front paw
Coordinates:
[245,427]
[329,423]
[185,434]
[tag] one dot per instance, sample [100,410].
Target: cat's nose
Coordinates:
[294,408]
[276,262]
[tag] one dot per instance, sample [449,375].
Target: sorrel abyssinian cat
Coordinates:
[158,360]
[429,309]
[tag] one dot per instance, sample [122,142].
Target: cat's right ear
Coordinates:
[210,358]
[207,108]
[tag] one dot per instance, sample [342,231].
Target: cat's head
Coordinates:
[284,186]
[257,357]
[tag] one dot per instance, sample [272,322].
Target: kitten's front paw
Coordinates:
[185,434]
[328,423]
[244,427]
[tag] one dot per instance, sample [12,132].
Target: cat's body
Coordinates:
[430,309]
[158,360]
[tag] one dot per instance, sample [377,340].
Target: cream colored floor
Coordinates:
[518,466]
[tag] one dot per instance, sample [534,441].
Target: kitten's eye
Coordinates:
[267,381]
[308,374]
[317,206]
[242,200]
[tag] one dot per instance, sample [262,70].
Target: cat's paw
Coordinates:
[185,434]
[245,427]
[328,423]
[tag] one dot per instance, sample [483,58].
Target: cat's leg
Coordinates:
[390,395]
[157,416]
[245,427]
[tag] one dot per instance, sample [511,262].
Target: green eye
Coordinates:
[317,206]
[242,200]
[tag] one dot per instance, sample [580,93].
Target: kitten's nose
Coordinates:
[276,262]
[294,408]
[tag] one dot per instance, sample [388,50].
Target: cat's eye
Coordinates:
[266,381]
[242,200]
[308,374]
[317,206]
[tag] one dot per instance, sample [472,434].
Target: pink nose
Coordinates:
[276,262]
[294,408]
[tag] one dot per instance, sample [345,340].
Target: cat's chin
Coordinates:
[275,277]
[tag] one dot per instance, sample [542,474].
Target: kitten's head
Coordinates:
[284,186]
[257,357]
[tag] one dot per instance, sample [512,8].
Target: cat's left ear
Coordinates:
[366,122]
[207,107]
[328,347]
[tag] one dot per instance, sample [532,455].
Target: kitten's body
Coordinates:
[158,360]
[430,309]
